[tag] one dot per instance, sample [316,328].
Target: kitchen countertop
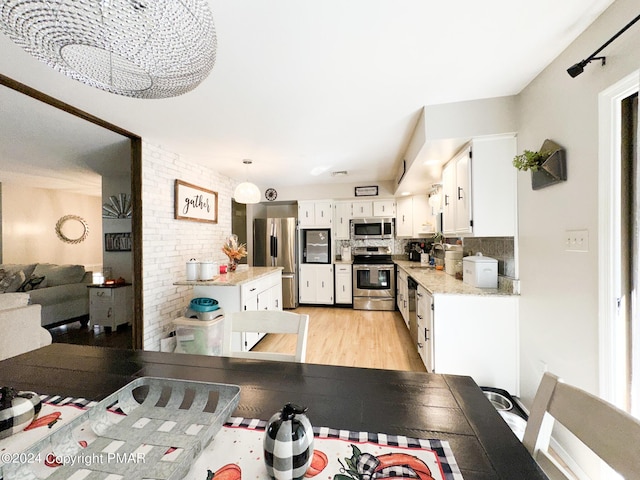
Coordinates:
[344,262]
[231,279]
[437,281]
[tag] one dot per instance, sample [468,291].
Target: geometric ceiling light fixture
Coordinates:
[135,48]
[247,192]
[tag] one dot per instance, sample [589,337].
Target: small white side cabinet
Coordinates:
[344,282]
[110,306]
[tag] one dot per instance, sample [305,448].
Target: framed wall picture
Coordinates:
[117,242]
[195,203]
[371,191]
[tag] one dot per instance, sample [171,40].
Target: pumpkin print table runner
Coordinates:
[236,451]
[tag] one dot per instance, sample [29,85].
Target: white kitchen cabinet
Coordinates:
[479,186]
[463,193]
[404,217]
[384,208]
[373,208]
[402,295]
[316,213]
[344,283]
[477,335]
[110,306]
[362,209]
[262,298]
[449,193]
[263,293]
[316,284]
[413,217]
[424,318]
[341,219]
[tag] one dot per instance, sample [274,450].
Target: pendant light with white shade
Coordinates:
[246,192]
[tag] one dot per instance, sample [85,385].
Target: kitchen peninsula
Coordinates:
[253,288]
[460,328]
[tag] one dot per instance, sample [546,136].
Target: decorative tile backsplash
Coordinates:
[500,248]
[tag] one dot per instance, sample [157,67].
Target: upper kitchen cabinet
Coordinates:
[341,217]
[317,213]
[479,186]
[362,209]
[384,208]
[375,208]
[414,218]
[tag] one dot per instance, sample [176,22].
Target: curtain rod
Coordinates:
[578,68]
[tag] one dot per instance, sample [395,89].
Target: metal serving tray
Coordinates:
[160,414]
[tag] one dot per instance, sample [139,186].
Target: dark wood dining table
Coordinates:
[418,405]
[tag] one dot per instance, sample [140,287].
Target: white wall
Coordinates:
[559,289]
[168,243]
[29,217]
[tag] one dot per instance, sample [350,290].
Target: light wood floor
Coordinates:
[352,338]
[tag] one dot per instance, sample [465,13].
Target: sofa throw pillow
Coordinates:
[31,284]
[12,282]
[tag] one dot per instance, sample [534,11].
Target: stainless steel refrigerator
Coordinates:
[274,245]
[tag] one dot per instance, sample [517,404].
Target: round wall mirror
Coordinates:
[72,229]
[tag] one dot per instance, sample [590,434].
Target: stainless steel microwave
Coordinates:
[372,228]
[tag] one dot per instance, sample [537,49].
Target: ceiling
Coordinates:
[302,88]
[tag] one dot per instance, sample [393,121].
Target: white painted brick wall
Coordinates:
[167,244]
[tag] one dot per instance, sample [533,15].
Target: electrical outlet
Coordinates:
[576,240]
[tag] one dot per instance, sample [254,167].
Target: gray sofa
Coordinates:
[61,290]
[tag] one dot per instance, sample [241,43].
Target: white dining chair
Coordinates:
[266,321]
[611,433]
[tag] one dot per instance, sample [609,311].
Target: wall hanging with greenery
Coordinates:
[548,165]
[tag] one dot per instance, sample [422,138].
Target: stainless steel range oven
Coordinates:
[374,284]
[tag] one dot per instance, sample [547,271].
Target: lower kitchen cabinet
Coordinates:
[424,318]
[477,335]
[344,284]
[402,295]
[316,284]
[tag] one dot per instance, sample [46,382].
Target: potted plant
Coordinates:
[530,160]
[548,165]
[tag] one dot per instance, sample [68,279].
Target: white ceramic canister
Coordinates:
[208,270]
[193,267]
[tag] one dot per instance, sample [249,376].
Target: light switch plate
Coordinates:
[576,240]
